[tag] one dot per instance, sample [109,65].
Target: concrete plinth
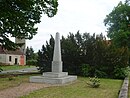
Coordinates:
[51,79]
[55,75]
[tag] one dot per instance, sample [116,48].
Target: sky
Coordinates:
[73,15]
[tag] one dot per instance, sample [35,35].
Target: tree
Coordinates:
[71,53]
[45,56]
[30,55]
[118,24]
[86,55]
[18,18]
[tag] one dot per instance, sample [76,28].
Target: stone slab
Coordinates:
[124,89]
[55,75]
[61,80]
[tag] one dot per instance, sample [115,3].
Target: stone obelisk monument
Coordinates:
[57,63]
[56,76]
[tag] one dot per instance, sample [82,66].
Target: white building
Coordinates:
[16,57]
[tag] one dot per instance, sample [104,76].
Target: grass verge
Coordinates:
[6,83]
[14,67]
[109,89]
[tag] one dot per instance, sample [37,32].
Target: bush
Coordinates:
[85,69]
[121,73]
[31,62]
[94,82]
[44,66]
[1,69]
[100,73]
[91,71]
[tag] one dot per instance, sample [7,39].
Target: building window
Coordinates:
[10,58]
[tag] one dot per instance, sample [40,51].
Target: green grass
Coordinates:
[109,89]
[5,83]
[14,67]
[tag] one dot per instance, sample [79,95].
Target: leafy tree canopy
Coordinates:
[100,56]
[118,24]
[18,18]
[30,55]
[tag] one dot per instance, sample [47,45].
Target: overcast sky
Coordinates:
[73,15]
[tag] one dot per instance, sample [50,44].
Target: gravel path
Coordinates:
[22,89]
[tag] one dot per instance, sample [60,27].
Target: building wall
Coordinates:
[15,59]
[22,60]
[2,58]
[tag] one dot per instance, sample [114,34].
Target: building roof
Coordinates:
[15,52]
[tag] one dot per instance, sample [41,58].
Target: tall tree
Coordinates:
[45,56]
[118,24]
[71,53]
[98,54]
[30,55]
[18,18]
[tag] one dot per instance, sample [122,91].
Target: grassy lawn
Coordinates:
[5,83]
[14,67]
[109,89]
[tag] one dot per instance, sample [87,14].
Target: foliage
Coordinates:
[89,70]
[121,73]
[30,55]
[85,68]
[86,55]
[31,62]
[18,18]
[71,51]
[45,56]
[118,24]
[1,69]
[94,82]
[101,73]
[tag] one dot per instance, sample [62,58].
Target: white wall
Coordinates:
[3,58]
[24,59]
[12,62]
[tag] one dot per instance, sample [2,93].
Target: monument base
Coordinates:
[53,78]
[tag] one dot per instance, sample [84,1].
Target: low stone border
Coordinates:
[124,89]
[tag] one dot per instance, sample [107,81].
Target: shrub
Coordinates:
[31,62]
[85,69]
[94,82]
[100,73]
[121,73]
[1,69]
[44,66]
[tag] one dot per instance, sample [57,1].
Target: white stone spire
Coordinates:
[57,48]
[57,63]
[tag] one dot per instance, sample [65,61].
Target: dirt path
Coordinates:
[22,89]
